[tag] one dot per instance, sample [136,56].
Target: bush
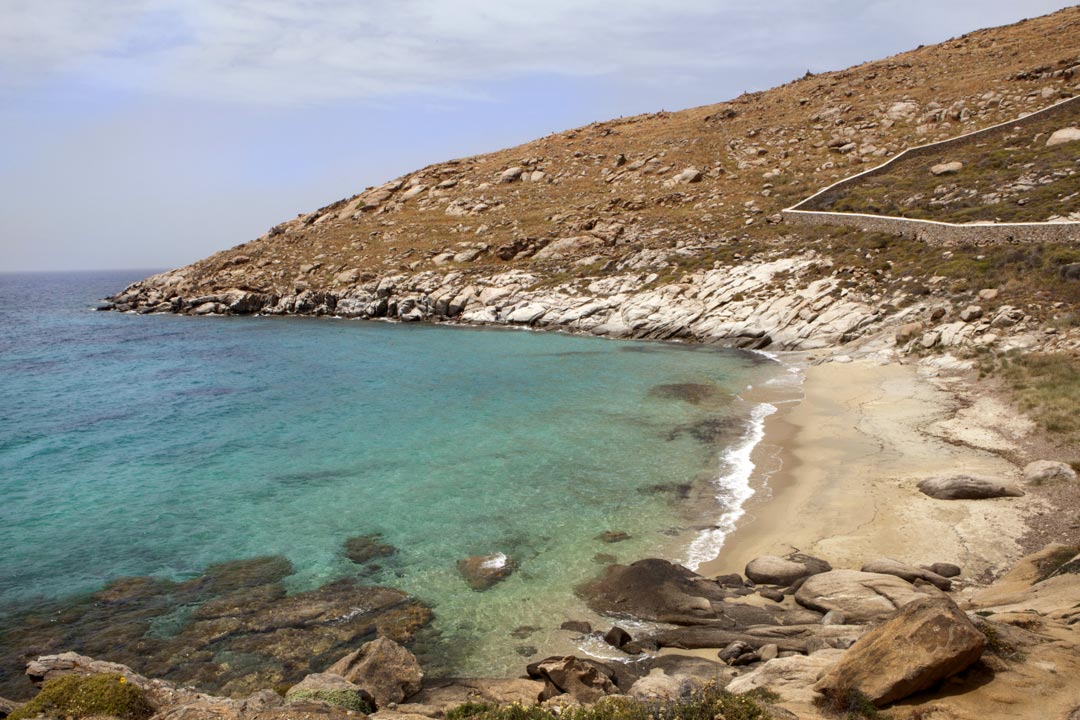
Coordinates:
[78,696]
[707,704]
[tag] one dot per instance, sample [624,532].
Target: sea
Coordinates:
[158,445]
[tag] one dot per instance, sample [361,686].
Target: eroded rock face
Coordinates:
[790,677]
[862,597]
[927,641]
[659,686]
[773,570]
[386,670]
[966,487]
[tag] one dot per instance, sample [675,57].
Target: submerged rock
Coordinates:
[483,571]
[693,393]
[364,548]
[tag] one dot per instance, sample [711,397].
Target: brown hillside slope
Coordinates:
[664,194]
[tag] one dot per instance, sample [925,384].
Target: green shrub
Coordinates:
[342,698]
[78,696]
[707,704]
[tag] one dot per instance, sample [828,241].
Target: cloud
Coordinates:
[304,51]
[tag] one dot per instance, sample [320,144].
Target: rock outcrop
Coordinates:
[772,570]
[925,642]
[382,668]
[862,597]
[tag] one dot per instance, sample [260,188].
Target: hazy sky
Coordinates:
[151,133]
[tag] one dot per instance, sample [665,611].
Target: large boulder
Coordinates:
[773,570]
[483,571]
[654,589]
[927,641]
[862,597]
[584,681]
[1062,136]
[888,566]
[387,671]
[966,487]
[1042,471]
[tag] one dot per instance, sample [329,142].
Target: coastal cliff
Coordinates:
[668,225]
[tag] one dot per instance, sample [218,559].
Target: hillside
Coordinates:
[667,225]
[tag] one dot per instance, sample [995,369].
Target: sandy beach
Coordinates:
[836,474]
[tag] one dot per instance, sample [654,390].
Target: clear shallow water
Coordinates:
[157,445]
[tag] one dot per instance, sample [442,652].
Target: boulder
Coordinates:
[483,571]
[1042,471]
[948,168]
[789,677]
[582,680]
[510,175]
[689,175]
[946,570]
[1062,136]
[617,637]
[888,566]
[653,589]
[971,313]
[927,641]
[773,570]
[862,597]
[966,487]
[658,686]
[364,548]
[578,626]
[386,670]
[331,689]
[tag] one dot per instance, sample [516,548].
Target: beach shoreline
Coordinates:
[836,472]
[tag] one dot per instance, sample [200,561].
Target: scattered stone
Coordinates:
[733,650]
[948,168]
[1043,471]
[1062,136]
[989,294]
[768,652]
[689,175]
[386,670]
[861,597]
[773,570]
[927,641]
[971,313]
[966,487]
[483,571]
[510,175]
[617,637]
[908,332]
[771,594]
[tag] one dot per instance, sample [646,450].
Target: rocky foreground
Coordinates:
[924,641]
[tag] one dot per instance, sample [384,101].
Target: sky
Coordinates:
[152,133]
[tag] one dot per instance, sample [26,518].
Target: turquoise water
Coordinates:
[157,445]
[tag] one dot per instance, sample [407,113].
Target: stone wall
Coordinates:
[940,233]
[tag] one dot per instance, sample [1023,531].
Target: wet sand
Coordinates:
[836,476]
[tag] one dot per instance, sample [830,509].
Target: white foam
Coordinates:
[733,489]
[495,562]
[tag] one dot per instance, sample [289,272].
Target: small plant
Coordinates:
[997,645]
[79,696]
[347,699]
[849,704]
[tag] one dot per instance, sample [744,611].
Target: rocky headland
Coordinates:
[913,540]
